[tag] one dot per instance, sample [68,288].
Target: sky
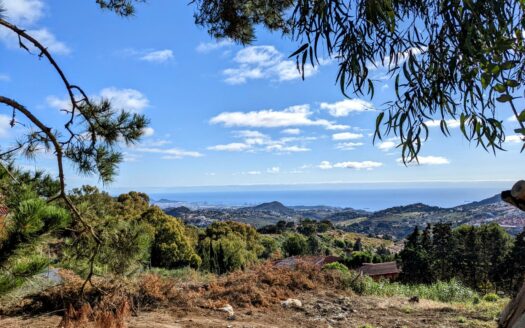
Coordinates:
[221,114]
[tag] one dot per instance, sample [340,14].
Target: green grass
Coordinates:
[491,297]
[448,292]
[186,274]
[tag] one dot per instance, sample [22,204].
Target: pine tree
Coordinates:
[358,245]
[442,246]
[515,264]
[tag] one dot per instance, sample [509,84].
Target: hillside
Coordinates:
[272,207]
[258,297]
[395,221]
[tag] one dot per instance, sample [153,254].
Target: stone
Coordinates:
[292,303]
[228,309]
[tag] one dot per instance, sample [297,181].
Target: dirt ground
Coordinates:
[328,308]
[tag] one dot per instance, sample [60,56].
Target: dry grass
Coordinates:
[266,284]
[255,294]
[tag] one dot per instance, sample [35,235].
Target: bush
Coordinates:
[452,291]
[271,248]
[357,259]
[228,246]
[295,244]
[491,297]
[314,245]
[336,266]
[171,248]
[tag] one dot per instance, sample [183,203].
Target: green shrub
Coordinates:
[171,248]
[491,297]
[336,266]
[452,291]
[462,319]
[271,248]
[227,246]
[295,244]
[8,282]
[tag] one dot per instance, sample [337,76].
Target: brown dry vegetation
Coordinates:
[255,294]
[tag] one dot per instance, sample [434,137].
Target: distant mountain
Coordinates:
[314,208]
[164,200]
[177,211]
[272,207]
[418,207]
[488,201]
[396,221]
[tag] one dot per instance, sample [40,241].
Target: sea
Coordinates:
[370,197]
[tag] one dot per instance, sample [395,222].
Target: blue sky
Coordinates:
[220,114]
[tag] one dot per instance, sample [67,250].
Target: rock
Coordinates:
[228,309]
[339,317]
[518,190]
[292,303]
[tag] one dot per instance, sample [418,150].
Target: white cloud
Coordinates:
[130,157]
[235,146]
[514,139]
[452,124]
[398,59]
[428,160]
[346,136]
[251,173]
[263,62]
[126,99]
[250,134]
[274,170]
[152,143]
[130,100]
[5,78]
[347,106]
[325,165]
[287,149]
[170,153]
[384,87]
[58,103]
[255,141]
[148,131]
[387,145]
[291,131]
[364,165]
[48,40]
[5,125]
[27,13]
[23,12]
[158,56]
[512,118]
[205,47]
[349,145]
[298,115]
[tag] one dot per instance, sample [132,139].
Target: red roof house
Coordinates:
[387,270]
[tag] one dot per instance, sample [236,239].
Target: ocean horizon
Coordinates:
[363,197]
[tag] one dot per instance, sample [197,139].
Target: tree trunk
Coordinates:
[513,316]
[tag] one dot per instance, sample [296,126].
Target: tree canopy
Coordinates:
[449,59]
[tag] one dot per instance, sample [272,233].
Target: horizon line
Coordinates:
[333,183]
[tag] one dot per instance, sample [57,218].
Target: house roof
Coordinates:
[378,269]
[318,261]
